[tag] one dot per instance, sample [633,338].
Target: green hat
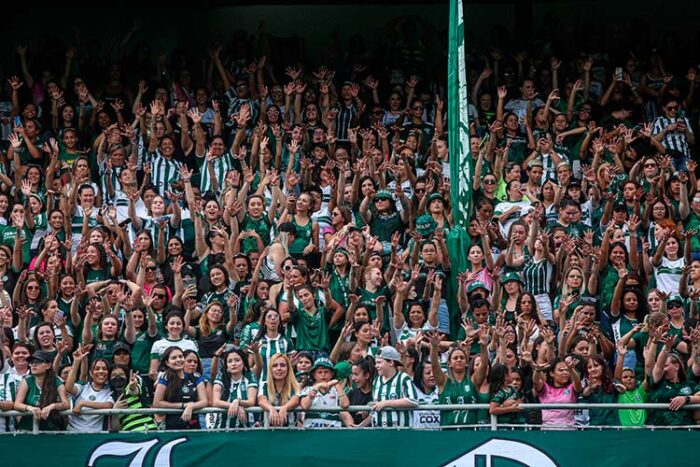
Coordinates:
[476,285]
[385,194]
[674,298]
[425,225]
[343,370]
[322,362]
[511,276]
[433,196]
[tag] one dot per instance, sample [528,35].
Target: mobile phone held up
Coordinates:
[618,74]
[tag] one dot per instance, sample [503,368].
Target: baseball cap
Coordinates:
[389,353]
[41,356]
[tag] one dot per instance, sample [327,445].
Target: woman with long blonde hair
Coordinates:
[279,394]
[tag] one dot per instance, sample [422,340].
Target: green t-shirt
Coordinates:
[261,226]
[312,329]
[633,417]
[32,398]
[663,392]
[502,395]
[458,392]
[600,417]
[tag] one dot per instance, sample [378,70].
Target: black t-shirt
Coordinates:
[357,397]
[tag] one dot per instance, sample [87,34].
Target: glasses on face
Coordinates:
[650,164]
[420,190]
[32,287]
[489,182]
[150,268]
[417,107]
[672,306]
[671,108]
[379,200]
[158,295]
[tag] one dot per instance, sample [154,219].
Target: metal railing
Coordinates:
[493,425]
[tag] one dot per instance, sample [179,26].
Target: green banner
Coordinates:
[356,448]
[461,162]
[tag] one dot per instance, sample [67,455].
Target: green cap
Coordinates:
[511,276]
[476,285]
[433,196]
[386,194]
[425,225]
[322,362]
[675,298]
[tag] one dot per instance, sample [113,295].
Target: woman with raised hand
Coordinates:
[93,394]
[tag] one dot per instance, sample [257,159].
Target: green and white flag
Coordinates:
[461,164]
[461,170]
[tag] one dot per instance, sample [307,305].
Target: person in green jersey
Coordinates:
[324,391]
[630,391]
[392,388]
[455,386]
[268,341]
[600,390]
[280,393]
[43,394]
[669,384]
[505,399]
[235,389]
[312,320]
[146,334]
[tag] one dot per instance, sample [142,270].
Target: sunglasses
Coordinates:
[418,107]
[420,190]
[379,200]
[378,112]
[649,165]
[672,306]
[158,295]
[150,268]
[33,287]
[672,107]
[489,182]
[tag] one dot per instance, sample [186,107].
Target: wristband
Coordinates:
[687,399]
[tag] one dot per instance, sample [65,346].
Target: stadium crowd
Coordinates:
[276,235]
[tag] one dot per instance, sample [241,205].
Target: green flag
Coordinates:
[461,164]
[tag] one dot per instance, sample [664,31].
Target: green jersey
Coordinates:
[458,392]
[602,417]
[633,417]
[261,226]
[312,329]
[32,398]
[663,392]
[302,238]
[237,390]
[136,422]
[271,346]
[141,351]
[502,395]
[399,386]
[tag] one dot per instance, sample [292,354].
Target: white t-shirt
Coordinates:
[160,346]
[9,384]
[668,274]
[89,423]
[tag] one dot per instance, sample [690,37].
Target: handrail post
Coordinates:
[35,424]
[494,422]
